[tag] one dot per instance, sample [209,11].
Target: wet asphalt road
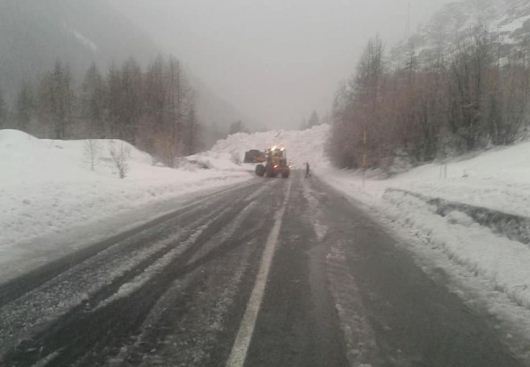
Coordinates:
[184,290]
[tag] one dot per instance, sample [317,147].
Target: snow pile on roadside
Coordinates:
[47,186]
[302,146]
[498,180]
[477,248]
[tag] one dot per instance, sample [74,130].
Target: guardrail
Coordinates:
[515,227]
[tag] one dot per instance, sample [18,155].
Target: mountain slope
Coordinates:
[507,20]
[34,34]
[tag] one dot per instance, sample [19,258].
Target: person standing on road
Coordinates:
[307,170]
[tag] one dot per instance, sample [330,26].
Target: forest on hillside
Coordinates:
[153,108]
[461,99]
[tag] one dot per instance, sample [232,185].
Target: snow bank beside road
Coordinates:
[455,233]
[47,186]
[498,179]
[477,248]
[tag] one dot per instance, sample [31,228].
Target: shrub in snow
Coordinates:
[120,154]
[91,152]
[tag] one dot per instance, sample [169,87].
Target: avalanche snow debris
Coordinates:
[302,146]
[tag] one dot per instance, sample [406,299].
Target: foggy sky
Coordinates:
[274,60]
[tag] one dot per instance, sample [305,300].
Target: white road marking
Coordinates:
[238,355]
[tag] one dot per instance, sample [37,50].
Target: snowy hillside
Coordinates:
[302,146]
[35,34]
[48,187]
[498,179]
[509,19]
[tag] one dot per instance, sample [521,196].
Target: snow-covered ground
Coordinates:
[498,179]
[48,189]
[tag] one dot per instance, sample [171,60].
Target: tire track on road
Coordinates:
[16,288]
[241,345]
[91,281]
[187,328]
[42,345]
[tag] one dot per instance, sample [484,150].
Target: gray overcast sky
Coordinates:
[274,60]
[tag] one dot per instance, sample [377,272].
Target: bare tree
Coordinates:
[170,124]
[91,150]
[131,106]
[25,107]
[192,130]
[509,100]
[154,109]
[120,154]
[452,101]
[93,103]
[56,100]
[3,110]
[468,86]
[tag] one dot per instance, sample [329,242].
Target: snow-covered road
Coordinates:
[338,291]
[78,245]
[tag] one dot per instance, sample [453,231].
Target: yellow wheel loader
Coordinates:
[275,164]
